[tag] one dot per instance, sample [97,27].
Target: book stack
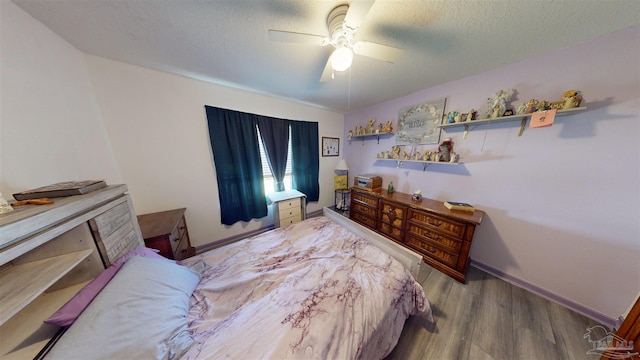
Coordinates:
[67,188]
[454,205]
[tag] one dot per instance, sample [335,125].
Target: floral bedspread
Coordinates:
[312,290]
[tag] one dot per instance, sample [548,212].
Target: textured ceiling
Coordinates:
[227,42]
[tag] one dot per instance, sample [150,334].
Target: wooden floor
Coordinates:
[489,318]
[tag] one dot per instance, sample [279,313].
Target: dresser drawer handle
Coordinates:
[176,239]
[434,222]
[431,250]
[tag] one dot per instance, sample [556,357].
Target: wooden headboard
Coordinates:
[49,252]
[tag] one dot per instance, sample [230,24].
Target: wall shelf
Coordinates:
[522,118]
[425,164]
[377,136]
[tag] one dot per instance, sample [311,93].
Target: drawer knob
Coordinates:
[176,239]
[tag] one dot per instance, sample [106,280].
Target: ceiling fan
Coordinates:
[343,23]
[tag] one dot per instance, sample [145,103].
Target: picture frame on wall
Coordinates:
[330,146]
[418,124]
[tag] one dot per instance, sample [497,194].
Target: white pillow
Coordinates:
[140,314]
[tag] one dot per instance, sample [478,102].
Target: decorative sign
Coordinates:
[418,124]
[542,118]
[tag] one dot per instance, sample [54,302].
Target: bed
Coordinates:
[312,290]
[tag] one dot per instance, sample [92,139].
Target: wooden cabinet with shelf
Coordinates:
[442,236]
[521,117]
[49,251]
[167,232]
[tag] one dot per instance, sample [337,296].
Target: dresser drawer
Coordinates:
[431,251]
[365,220]
[365,210]
[447,226]
[357,196]
[427,234]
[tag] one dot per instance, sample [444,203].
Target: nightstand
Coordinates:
[289,207]
[167,232]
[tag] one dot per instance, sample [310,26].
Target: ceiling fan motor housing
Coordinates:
[340,35]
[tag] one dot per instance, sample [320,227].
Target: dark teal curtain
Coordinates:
[275,139]
[234,142]
[306,158]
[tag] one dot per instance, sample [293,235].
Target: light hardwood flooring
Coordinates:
[488,318]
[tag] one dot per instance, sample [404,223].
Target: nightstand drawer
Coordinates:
[290,220]
[289,212]
[289,204]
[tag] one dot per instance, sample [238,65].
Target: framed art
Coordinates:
[330,146]
[418,124]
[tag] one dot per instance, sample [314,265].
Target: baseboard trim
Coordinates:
[549,295]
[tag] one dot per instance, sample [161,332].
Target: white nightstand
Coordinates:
[289,207]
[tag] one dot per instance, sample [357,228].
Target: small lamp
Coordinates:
[342,166]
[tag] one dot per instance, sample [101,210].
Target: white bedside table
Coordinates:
[289,207]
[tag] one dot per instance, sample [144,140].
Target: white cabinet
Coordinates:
[289,207]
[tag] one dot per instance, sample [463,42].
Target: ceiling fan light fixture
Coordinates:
[341,59]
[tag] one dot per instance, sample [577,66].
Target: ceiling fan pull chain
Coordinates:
[349,95]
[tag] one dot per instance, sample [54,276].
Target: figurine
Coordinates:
[499,100]
[396,152]
[451,117]
[496,112]
[458,117]
[571,99]
[471,115]
[453,157]
[530,106]
[542,106]
[350,134]
[388,128]
[445,149]
[370,126]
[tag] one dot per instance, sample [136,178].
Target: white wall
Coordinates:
[158,128]
[50,125]
[562,203]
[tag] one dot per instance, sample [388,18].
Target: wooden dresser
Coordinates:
[289,207]
[442,236]
[167,232]
[49,252]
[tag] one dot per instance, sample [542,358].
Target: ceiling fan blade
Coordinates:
[293,37]
[377,51]
[358,10]
[327,73]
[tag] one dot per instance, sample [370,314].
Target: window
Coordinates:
[269,180]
